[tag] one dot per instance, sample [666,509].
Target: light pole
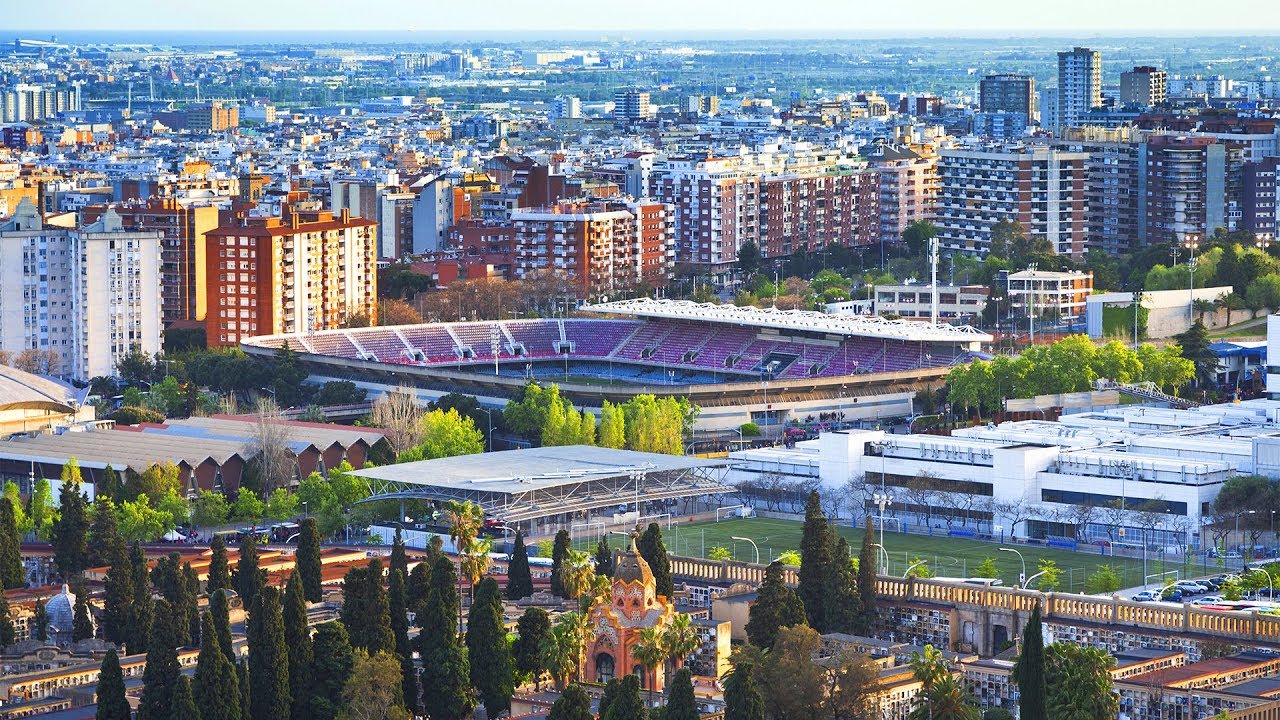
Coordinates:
[884,567]
[753,545]
[913,566]
[489,437]
[883,500]
[1033,577]
[1191,242]
[1022,577]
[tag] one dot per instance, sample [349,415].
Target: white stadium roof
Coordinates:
[796,320]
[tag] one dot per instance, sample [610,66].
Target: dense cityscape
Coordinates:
[449,364]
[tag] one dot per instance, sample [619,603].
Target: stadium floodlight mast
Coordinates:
[883,500]
[753,545]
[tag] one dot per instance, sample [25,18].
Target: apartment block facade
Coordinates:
[1041,187]
[807,212]
[1008,93]
[715,208]
[1144,86]
[605,247]
[301,271]
[89,295]
[908,182]
[1182,188]
[1079,85]
[1046,294]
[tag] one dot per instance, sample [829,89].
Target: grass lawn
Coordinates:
[946,556]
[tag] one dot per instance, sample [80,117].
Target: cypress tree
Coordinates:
[381,637]
[71,528]
[184,703]
[1028,671]
[573,704]
[654,552]
[627,704]
[776,606]
[40,623]
[604,557]
[397,600]
[220,616]
[534,625]
[269,697]
[141,609]
[559,553]
[815,562]
[110,488]
[191,597]
[216,687]
[104,534]
[8,633]
[249,577]
[12,573]
[219,573]
[488,651]
[742,697]
[418,587]
[611,691]
[867,569]
[112,703]
[445,669]
[680,702]
[245,692]
[398,559]
[81,623]
[117,600]
[160,678]
[307,559]
[519,579]
[843,607]
[331,669]
[297,638]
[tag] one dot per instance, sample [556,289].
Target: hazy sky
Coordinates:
[824,18]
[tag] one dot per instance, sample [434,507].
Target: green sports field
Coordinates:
[946,556]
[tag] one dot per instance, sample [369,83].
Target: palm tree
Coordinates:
[560,654]
[650,651]
[577,574]
[465,519]
[942,697]
[680,638]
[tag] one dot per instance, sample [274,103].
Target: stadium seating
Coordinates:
[724,343]
[478,335]
[648,336]
[539,337]
[383,343]
[683,338]
[597,338]
[433,340]
[335,344]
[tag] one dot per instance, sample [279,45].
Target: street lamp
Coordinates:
[1191,243]
[883,500]
[913,566]
[753,545]
[1033,577]
[884,567]
[489,414]
[1022,577]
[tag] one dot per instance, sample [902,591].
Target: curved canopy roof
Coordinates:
[20,389]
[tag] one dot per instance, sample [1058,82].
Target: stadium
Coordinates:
[738,363]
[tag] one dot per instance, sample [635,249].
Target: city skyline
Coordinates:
[807,18]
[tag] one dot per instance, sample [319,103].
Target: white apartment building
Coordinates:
[1079,84]
[908,187]
[916,300]
[1059,296]
[87,294]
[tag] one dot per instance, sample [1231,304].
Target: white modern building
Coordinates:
[1079,84]
[88,295]
[915,300]
[1060,296]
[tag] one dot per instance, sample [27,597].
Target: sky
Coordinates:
[814,18]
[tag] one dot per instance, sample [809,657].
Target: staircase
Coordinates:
[1147,391]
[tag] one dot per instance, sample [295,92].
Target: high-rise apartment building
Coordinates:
[807,210]
[631,105]
[605,247]
[182,225]
[1079,84]
[908,187]
[1182,188]
[715,208]
[566,107]
[301,271]
[1259,206]
[24,103]
[1008,93]
[380,199]
[87,294]
[1041,187]
[1143,86]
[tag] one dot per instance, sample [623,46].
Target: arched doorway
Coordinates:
[604,667]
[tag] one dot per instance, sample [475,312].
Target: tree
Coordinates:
[679,639]
[142,604]
[307,559]
[776,606]
[248,505]
[117,600]
[559,554]
[269,695]
[373,690]
[987,569]
[563,648]
[12,572]
[160,677]
[612,432]
[519,578]
[40,623]
[843,607]
[334,660]
[219,574]
[941,697]
[339,392]
[297,638]
[139,522]
[1079,683]
[681,704]
[249,578]
[184,703]
[1050,575]
[445,667]
[794,686]
[573,704]
[1029,671]
[366,611]
[488,649]
[112,703]
[154,482]
[742,697]
[396,413]
[111,487]
[917,237]
[282,505]
[81,624]
[748,261]
[70,530]
[104,540]
[398,600]
[532,630]
[220,616]
[1194,343]
[627,704]
[442,434]
[1104,580]
[40,508]
[853,683]
[815,562]
[216,688]
[654,553]
[8,633]
[649,651]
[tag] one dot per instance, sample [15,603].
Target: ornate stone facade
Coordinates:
[615,623]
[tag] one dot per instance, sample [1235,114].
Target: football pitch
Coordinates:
[946,556]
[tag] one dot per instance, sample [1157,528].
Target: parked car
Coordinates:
[1191,587]
[1207,600]
[1145,596]
[1232,555]
[1171,594]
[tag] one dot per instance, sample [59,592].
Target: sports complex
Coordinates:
[738,364]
